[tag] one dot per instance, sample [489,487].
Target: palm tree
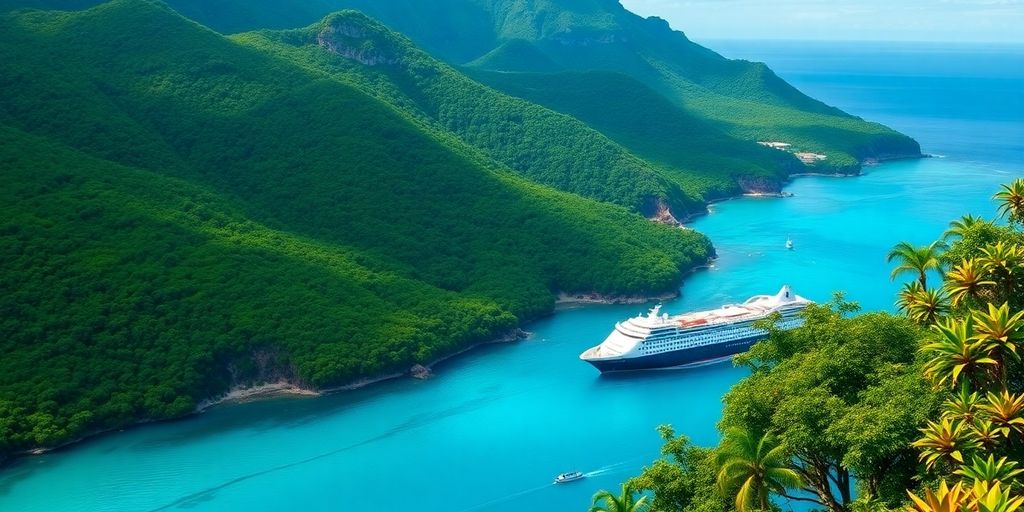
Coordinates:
[989,497]
[946,499]
[945,441]
[1011,200]
[1006,411]
[966,280]
[908,295]
[962,406]
[955,352]
[1000,332]
[605,501]
[1002,261]
[927,307]
[989,470]
[753,467]
[958,228]
[918,260]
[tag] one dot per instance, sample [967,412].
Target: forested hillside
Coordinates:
[185,210]
[740,99]
[745,99]
[916,412]
[547,147]
[182,211]
[688,147]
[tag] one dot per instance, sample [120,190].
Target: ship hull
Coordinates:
[676,358]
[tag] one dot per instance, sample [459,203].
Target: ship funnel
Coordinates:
[653,313]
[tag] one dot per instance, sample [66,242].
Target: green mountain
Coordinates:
[516,55]
[182,212]
[547,147]
[730,99]
[696,152]
[745,99]
[682,153]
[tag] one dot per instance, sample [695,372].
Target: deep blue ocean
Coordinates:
[494,426]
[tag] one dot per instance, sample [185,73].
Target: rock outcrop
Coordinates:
[354,42]
[421,372]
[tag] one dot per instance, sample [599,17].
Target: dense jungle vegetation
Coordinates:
[546,147]
[922,411]
[690,149]
[182,212]
[185,211]
[740,99]
[745,100]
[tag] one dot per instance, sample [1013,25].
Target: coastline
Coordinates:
[284,388]
[242,394]
[781,193]
[567,299]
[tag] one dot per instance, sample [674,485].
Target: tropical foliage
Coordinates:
[547,147]
[625,501]
[185,213]
[752,467]
[915,260]
[923,412]
[600,47]
[1011,200]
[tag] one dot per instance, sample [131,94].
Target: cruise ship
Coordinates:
[662,341]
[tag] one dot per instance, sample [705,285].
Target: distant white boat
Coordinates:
[789,244]
[571,476]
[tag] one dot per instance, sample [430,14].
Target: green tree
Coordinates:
[928,306]
[837,395]
[961,227]
[752,467]
[1011,200]
[915,260]
[967,281]
[954,352]
[625,501]
[683,478]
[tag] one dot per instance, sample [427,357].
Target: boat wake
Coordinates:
[603,470]
[507,497]
[610,468]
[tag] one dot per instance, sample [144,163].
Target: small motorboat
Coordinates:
[789,244]
[571,476]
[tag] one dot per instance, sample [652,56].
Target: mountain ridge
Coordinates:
[187,211]
[184,212]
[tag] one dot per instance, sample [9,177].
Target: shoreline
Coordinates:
[284,388]
[566,299]
[279,389]
[767,194]
[781,193]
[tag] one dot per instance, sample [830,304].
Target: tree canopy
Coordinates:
[185,213]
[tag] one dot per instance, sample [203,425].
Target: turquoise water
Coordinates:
[492,429]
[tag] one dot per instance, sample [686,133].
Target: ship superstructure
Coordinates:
[659,340]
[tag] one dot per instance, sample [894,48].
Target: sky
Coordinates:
[849,20]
